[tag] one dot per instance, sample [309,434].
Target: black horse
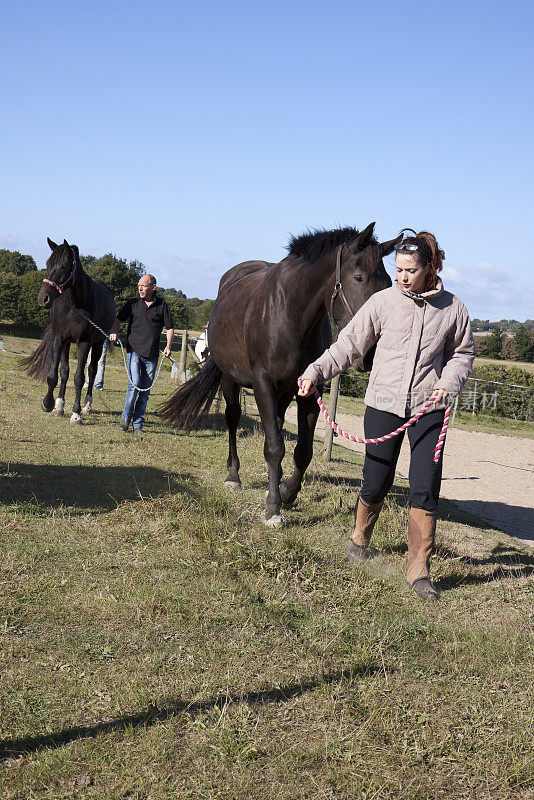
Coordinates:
[268,323]
[65,288]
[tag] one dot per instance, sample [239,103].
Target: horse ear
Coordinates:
[66,243]
[365,237]
[388,247]
[52,244]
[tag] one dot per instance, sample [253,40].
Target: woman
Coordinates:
[423,344]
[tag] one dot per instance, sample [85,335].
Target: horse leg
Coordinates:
[64,376]
[96,352]
[281,407]
[233,415]
[273,449]
[51,380]
[307,411]
[83,351]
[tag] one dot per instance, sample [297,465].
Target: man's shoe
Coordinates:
[138,431]
[123,424]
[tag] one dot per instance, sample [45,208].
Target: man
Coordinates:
[147,315]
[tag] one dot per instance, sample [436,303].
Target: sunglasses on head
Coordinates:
[410,248]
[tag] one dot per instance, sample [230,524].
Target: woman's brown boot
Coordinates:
[421,530]
[366,517]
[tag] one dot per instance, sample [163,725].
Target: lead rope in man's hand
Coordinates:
[333,424]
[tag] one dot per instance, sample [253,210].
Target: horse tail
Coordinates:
[37,365]
[187,407]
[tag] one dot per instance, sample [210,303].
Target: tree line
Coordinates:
[507,325]
[502,346]
[20,281]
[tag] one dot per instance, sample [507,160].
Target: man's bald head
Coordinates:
[147,287]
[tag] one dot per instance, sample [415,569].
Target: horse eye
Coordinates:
[358,278]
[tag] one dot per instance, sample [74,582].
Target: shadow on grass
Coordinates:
[500,555]
[87,487]
[11,748]
[455,579]
[514,520]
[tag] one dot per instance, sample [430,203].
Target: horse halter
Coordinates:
[338,287]
[71,277]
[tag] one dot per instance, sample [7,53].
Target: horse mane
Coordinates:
[316,243]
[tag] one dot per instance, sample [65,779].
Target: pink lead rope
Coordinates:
[356,440]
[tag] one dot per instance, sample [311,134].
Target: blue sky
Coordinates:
[193,136]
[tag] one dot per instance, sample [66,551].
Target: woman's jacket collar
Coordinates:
[430,295]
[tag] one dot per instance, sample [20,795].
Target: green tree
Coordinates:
[29,311]
[121,277]
[12,261]
[524,343]
[200,314]
[180,312]
[9,297]
[87,261]
[493,343]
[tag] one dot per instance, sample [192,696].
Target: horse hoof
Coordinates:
[46,408]
[76,420]
[276,521]
[425,589]
[58,408]
[86,410]
[287,498]
[233,485]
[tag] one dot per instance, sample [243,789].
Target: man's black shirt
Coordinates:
[145,324]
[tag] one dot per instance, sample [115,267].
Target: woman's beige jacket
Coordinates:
[423,342]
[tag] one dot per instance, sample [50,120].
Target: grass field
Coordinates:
[157,642]
[528,366]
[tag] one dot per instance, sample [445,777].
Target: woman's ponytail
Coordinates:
[437,257]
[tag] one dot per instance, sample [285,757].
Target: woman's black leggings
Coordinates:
[381,459]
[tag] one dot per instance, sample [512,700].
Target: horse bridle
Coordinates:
[338,287]
[71,277]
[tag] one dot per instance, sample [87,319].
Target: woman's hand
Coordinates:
[442,396]
[306,388]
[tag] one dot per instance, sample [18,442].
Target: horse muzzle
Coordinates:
[44,299]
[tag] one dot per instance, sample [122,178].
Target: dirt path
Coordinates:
[484,473]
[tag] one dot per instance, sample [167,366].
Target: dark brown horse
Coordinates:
[268,323]
[65,288]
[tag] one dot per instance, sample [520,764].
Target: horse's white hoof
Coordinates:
[88,407]
[76,420]
[58,408]
[276,521]
[233,485]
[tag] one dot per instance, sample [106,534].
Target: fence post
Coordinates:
[332,408]
[183,359]
[474,399]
